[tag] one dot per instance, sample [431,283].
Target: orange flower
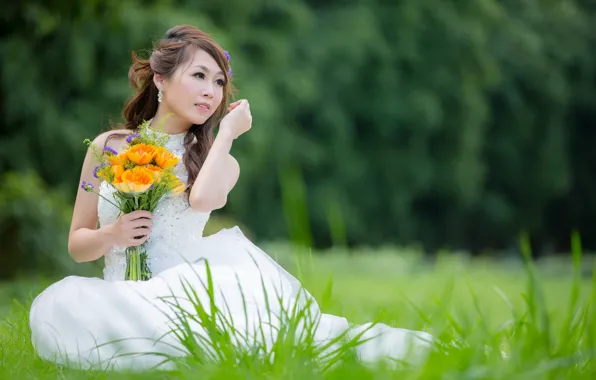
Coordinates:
[117,170]
[156,170]
[135,180]
[141,154]
[109,171]
[120,159]
[165,159]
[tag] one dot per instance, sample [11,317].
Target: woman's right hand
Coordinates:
[131,229]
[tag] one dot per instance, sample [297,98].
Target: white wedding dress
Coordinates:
[117,324]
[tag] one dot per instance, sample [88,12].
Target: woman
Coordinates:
[77,320]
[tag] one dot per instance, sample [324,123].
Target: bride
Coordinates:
[112,323]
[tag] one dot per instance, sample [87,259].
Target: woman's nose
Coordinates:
[208,91]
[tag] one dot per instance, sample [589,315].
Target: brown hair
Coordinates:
[167,55]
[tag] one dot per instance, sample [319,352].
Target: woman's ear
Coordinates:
[158,81]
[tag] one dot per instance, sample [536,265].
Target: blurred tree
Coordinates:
[441,123]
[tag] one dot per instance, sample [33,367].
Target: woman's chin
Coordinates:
[198,120]
[194,117]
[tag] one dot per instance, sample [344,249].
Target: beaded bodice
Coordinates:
[176,227]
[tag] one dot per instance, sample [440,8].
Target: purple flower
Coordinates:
[108,149]
[132,137]
[87,186]
[97,168]
[228,58]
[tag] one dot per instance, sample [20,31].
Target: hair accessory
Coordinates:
[228,58]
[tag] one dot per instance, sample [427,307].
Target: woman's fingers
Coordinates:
[234,105]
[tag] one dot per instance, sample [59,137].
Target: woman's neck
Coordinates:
[169,123]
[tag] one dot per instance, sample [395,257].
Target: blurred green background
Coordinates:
[435,124]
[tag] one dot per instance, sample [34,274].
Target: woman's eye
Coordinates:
[220,82]
[200,75]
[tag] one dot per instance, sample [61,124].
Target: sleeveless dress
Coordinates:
[110,323]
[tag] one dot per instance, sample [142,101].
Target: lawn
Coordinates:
[509,320]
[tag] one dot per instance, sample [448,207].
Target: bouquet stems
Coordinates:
[137,268]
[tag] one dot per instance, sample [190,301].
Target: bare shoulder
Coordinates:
[114,133]
[114,138]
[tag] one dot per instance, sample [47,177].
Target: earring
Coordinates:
[159,96]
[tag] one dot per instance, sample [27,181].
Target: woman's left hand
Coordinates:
[233,105]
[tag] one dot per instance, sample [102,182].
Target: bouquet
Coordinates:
[142,175]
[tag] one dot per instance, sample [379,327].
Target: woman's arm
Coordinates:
[220,171]
[217,176]
[85,241]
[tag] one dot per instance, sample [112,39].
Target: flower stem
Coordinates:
[109,201]
[137,268]
[137,263]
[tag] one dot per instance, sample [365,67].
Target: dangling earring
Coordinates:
[159,96]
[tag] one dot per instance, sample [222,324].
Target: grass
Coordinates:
[511,319]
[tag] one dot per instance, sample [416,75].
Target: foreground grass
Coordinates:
[509,320]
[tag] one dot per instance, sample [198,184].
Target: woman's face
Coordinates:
[195,90]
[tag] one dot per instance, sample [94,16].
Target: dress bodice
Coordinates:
[176,227]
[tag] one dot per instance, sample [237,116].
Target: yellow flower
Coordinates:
[135,180]
[102,172]
[156,170]
[178,186]
[117,170]
[165,159]
[141,154]
[108,172]
[120,159]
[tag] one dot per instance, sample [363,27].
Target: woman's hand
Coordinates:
[238,120]
[233,105]
[131,229]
